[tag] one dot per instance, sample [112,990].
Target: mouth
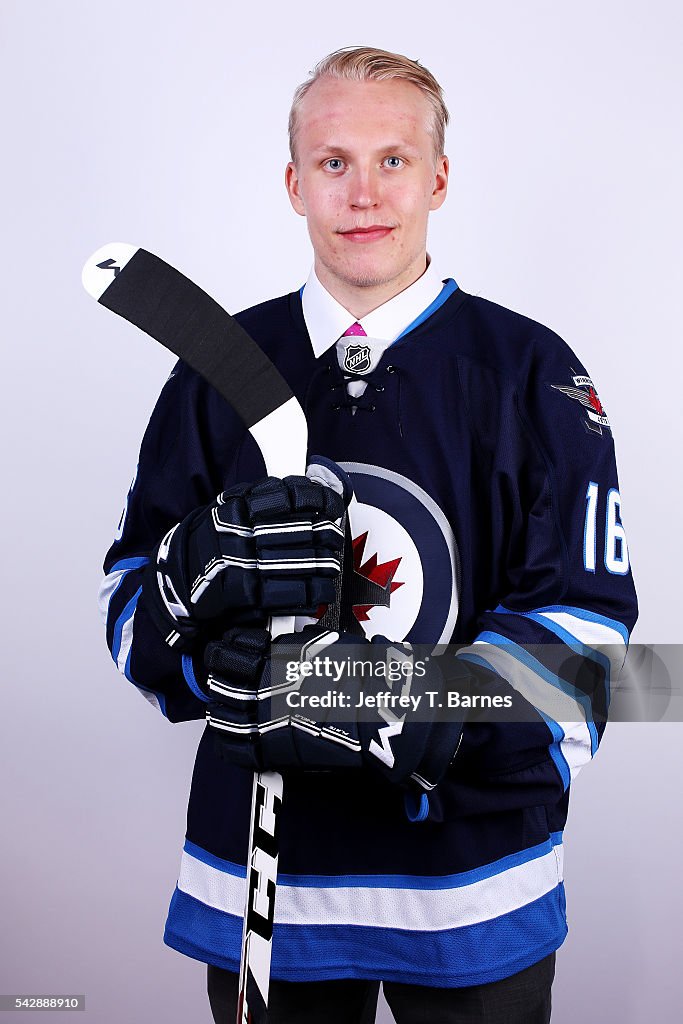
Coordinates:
[373,233]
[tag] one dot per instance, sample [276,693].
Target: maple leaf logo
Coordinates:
[373,581]
[368,585]
[595,401]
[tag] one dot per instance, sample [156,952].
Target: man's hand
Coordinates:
[274,546]
[266,705]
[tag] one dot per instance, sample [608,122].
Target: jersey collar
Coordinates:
[326,319]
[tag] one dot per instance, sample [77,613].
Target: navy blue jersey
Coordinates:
[488,515]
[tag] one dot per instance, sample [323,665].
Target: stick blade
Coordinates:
[162,302]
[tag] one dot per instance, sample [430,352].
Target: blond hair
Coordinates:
[364,64]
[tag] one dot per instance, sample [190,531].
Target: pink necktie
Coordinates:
[354,330]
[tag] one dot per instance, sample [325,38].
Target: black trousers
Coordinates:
[523,998]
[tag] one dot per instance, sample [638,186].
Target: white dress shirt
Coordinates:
[327,320]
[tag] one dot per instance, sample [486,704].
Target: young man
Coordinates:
[486,510]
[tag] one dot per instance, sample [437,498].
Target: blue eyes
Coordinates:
[335,163]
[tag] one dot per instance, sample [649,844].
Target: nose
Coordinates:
[364,188]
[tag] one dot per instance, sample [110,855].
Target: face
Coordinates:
[365,179]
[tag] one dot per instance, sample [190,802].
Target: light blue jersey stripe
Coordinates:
[449,287]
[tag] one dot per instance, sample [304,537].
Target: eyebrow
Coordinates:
[389,147]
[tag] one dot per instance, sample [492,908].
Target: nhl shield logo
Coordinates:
[357,358]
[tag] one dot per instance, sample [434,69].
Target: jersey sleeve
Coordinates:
[191,436]
[557,628]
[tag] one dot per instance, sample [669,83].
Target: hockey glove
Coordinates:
[273,546]
[263,715]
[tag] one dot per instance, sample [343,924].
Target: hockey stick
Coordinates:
[175,312]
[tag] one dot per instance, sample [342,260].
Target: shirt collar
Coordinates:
[326,319]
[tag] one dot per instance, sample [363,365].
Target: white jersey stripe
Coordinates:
[590,633]
[416,910]
[107,590]
[608,641]
[111,581]
[528,680]
[126,643]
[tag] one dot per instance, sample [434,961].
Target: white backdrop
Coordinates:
[163,123]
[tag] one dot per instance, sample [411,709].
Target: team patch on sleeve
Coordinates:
[583,391]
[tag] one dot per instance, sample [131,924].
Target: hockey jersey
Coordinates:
[488,514]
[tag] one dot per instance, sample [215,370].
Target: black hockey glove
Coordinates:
[274,546]
[263,715]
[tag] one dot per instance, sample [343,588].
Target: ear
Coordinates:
[293,190]
[440,183]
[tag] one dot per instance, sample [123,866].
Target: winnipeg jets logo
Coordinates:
[585,393]
[357,358]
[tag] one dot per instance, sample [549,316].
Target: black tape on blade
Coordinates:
[175,312]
